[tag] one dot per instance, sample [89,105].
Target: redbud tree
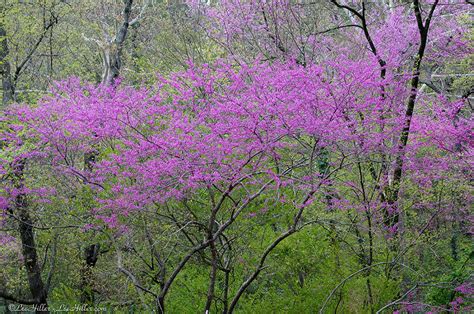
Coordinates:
[314,125]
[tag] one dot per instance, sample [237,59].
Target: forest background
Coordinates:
[236,156]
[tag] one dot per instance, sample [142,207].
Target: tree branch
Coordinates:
[9,297]
[19,68]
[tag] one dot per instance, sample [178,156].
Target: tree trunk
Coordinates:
[111,59]
[37,287]
[91,254]
[111,65]
[161,305]
[112,55]
[423,28]
[5,70]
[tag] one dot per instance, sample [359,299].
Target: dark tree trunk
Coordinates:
[5,70]
[91,254]
[161,305]
[423,28]
[37,287]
